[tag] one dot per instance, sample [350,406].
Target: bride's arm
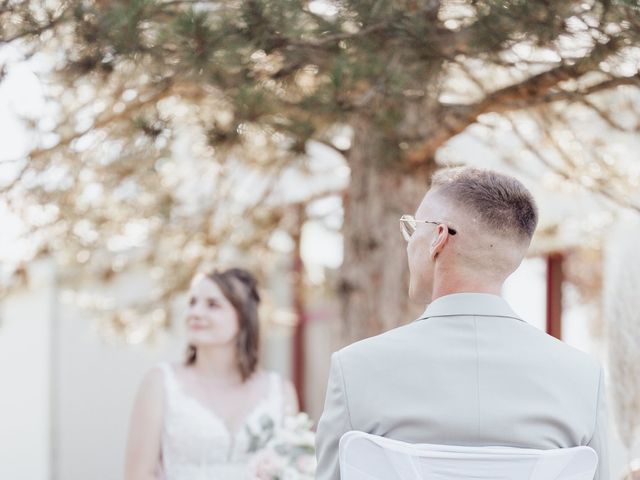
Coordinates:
[145,430]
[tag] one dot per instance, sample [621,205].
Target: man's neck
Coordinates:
[450,286]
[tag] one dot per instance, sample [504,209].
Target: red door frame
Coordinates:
[297,283]
[555,279]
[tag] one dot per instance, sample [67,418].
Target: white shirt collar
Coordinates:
[473,304]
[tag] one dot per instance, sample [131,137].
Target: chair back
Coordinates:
[369,457]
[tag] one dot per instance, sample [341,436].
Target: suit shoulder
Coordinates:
[375,343]
[570,356]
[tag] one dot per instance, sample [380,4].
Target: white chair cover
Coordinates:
[369,457]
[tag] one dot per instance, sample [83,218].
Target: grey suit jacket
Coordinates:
[468,372]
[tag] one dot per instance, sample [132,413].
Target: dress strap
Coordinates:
[170,381]
[275,385]
[277,399]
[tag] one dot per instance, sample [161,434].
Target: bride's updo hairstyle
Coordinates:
[240,288]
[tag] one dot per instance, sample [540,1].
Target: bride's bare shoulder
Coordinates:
[151,385]
[181,372]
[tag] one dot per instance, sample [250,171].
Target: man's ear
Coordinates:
[439,241]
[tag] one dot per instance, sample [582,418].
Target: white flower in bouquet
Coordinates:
[289,455]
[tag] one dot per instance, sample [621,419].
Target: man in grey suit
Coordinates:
[469,371]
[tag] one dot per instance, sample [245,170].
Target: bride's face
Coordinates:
[211,319]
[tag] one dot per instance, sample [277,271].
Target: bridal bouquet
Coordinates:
[289,455]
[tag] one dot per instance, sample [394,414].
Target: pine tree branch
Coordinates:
[18,178]
[319,195]
[456,118]
[563,172]
[104,120]
[581,93]
[605,116]
[530,90]
[187,2]
[602,185]
[330,145]
[36,31]
[329,39]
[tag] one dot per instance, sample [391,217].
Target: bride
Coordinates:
[203,419]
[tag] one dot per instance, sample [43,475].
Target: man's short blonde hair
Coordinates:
[501,202]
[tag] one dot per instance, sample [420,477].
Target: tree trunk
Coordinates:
[374,275]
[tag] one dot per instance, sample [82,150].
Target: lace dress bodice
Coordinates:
[196,443]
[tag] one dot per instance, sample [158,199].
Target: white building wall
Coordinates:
[95,395]
[27,319]
[96,385]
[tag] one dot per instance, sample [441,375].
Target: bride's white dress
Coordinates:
[197,445]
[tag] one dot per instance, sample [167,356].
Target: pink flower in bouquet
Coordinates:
[306,464]
[266,465]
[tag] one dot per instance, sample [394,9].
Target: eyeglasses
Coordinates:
[408,226]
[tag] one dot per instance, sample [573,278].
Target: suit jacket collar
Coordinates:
[472,304]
